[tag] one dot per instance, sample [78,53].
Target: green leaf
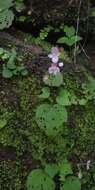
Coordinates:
[19,6]
[75,39]
[5,4]
[3,123]
[51,169]
[92,14]
[64,170]
[82,101]
[45,93]
[11,65]
[1,51]
[51,118]
[20,68]
[70,31]
[7,73]
[24,72]
[11,62]
[71,183]
[66,98]
[6,18]
[69,41]
[55,80]
[63,40]
[39,180]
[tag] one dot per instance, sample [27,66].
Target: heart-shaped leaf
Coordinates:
[45,93]
[39,180]
[51,118]
[71,183]
[55,80]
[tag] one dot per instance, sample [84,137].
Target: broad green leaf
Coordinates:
[3,123]
[63,40]
[45,93]
[11,65]
[63,98]
[51,118]
[82,101]
[69,41]
[39,180]
[6,18]
[66,98]
[1,51]
[55,80]
[64,170]
[71,183]
[11,62]
[5,4]
[19,6]
[51,169]
[70,31]
[75,39]
[6,73]
[24,72]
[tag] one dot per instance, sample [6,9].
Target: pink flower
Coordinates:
[54,55]
[55,66]
[60,64]
[54,69]
[55,51]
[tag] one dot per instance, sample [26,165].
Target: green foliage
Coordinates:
[51,118]
[38,179]
[10,174]
[55,80]
[6,4]
[3,123]
[43,178]
[66,98]
[45,93]
[92,13]
[51,169]
[64,55]
[6,15]
[71,38]
[89,88]
[44,32]
[19,5]
[4,54]
[71,183]
[64,170]
[10,68]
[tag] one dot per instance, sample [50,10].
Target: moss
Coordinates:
[27,92]
[9,175]
[23,134]
[83,131]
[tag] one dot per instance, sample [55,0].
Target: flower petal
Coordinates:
[55,59]
[53,70]
[55,51]
[50,55]
[61,64]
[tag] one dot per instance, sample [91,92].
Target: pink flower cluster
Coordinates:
[55,65]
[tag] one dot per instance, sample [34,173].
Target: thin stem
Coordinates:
[77,28]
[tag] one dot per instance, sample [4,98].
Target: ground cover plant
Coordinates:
[47,95]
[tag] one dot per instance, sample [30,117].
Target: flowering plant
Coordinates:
[55,65]
[54,76]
